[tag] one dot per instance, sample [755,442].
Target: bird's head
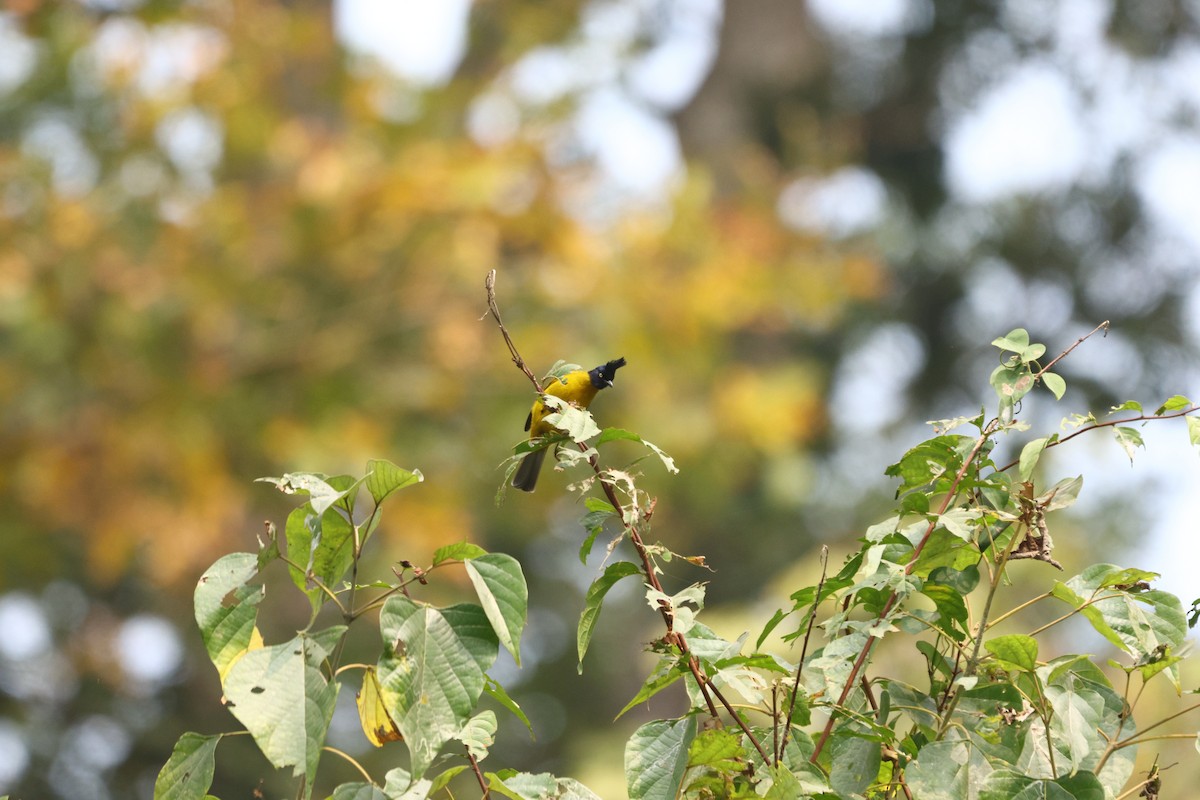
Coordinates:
[603,375]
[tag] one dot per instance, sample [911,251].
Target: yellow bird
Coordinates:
[577,387]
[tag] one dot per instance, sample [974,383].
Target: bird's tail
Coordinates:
[527,473]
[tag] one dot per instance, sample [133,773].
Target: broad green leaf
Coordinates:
[459,551]
[1016,650]
[324,544]
[497,693]
[226,608]
[479,733]
[929,460]
[526,786]
[961,522]
[1014,341]
[1176,403]
[384,477]
[432,671]
[595,599]
[284,702]
[717,748]
[1030,454]
[1063,494]
[1011,383]
[1128,405]
[962,581]
[854,761]
[951,769]
[359,791]
[944,549]
[1009,785]
[1129,439]
[188,773]
[502,592]
[1033,352]
[1193,426]
[951,608]
[828,668]
[1055,384]
[1138,622]
[576,423]
[399,785]
[656,757]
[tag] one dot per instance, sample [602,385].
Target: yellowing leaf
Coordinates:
[377,724]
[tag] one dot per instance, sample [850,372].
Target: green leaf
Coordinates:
[854,761]
[321,494]
[616,434]
[576,423]
[479,733]
[1033,352]
[1030,454]
[1137,622]
[717,748]
[1128,405]
[188,773]
[226,607]
[1055,384]
[525,786]
[1193,427]
[656,757]
[399,785]
[929,460]
[497,693]
[359,791]
[502,592]
[1175,403]
[666,674]
[1009,785]
[952,609]
[443,779]
[459,551]
[432,671]
[962,581]
[950,769]
[961,522]
[1015,341]
[595,599]
[779,616]
[284,702]
[1011,383]
[1129,439]
[599,512]
[384,477]
[324,543]
[1017,651]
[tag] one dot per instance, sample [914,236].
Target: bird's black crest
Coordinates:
[602,376]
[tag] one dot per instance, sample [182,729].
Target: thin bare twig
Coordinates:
[1103,326]
[812,616]
[1108,424]
[489,283]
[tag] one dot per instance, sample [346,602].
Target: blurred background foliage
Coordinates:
[236,241]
